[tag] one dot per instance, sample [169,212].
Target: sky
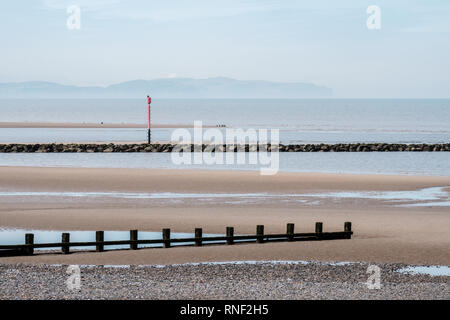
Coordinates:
[325,42]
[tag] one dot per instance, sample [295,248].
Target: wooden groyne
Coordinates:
[166,241]
[157,147]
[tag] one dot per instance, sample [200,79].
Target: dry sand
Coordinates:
[384,232]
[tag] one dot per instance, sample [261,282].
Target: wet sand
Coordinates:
[207,181]
[89,125]
[384,231]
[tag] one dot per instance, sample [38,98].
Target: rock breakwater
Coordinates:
[142,147]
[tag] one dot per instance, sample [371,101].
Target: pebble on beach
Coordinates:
[220,281]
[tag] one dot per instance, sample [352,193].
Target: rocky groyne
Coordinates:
[141,147]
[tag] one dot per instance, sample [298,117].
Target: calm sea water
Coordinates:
[403,163]
[323,115]
[299,121]
[315,121]
[58,135]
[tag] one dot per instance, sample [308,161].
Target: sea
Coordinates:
[298,121]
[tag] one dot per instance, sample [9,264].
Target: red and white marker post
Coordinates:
[149,133]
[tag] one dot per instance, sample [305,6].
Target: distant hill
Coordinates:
[168,88]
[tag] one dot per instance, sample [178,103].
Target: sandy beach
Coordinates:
[383,230]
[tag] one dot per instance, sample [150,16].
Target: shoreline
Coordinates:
[76,125]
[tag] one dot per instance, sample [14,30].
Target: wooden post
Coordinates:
[259,234]
[65,239]
[198,236]
[133,237]
[290,231]
[319,229]
[166,237]
[99,237]
[348,228]
[230,233]
[29,239]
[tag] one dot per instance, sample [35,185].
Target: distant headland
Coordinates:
[210,88]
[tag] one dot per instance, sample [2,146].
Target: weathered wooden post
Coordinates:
[99,237]
[319,229]
[65,239]
[348,228]
[198,237]
[230,234]
[133,237]
[29,239]
[290,231]
[166,237]
[259,234]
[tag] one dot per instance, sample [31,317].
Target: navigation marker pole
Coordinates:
[149,133]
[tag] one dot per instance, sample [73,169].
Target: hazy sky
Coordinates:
[323,42]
